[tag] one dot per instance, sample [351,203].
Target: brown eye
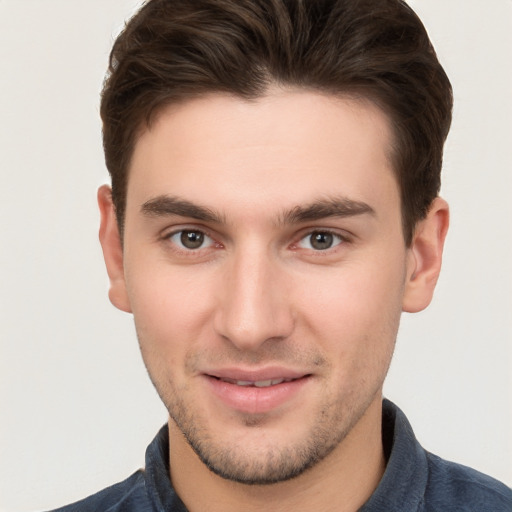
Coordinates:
[192,239]
[320,240]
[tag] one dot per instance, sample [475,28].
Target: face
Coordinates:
[265,266]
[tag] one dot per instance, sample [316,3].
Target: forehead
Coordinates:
[279,150]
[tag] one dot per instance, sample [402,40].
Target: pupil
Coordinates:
[192,239]
[321,241]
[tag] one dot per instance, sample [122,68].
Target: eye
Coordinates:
[191,239]
[320,240]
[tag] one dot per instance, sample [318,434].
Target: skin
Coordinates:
[256,185]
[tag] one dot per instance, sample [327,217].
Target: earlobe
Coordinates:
[112,250]
[425,257]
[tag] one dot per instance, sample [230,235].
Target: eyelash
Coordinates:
[167,237]
[342,239]
[189,252]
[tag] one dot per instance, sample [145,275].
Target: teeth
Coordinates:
[263,383]
[258,384]
[242,382]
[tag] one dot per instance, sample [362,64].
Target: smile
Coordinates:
[261,394]
[257,384]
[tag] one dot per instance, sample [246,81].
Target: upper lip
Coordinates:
[256,375]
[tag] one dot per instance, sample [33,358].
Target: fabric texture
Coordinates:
[414,481]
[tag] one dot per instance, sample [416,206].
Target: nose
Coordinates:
[254,306]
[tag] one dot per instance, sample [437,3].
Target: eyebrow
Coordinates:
[324,208]
[162,206]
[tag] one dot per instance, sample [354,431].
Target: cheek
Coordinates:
[170,305]
[170,313]
[357,309]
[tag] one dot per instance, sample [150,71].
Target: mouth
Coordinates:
[257,393]
[257,384]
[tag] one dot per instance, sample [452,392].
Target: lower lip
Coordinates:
[254,400]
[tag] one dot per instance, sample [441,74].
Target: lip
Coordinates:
[255,375]
[251,399]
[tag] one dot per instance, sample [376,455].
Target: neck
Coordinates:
[341,482]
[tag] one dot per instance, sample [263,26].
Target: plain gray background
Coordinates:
[77,409]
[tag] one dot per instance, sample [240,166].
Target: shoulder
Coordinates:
[458,488]
[124,496]
[147,490]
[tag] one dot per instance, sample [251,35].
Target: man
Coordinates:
[274,208]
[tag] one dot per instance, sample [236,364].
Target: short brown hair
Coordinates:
[173,50]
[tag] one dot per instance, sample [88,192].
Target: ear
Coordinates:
[112,250]
[425,257]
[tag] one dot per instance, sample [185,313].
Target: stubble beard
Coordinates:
[273,464]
